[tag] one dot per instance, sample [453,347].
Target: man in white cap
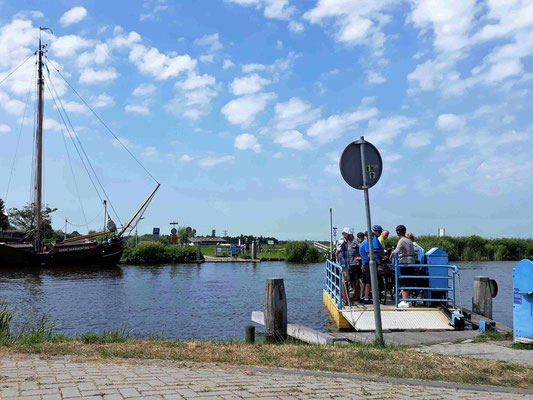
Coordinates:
[345,254]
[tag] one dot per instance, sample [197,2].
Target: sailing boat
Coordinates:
[29,249]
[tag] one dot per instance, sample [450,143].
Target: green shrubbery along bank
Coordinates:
[476,248]
[302,252]
[157,252]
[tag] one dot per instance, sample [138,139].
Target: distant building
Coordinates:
[206,240]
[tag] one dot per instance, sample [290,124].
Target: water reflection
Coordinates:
[207,301]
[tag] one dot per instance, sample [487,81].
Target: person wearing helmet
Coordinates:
[379,251]
[406,255]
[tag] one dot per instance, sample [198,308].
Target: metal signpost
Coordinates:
[361,168]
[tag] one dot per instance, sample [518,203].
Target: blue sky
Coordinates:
[241,109]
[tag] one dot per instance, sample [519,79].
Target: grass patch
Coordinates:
[522,346]
[358,359]
[485,337]
[112,336]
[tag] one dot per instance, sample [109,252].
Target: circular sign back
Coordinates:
[173,231]
[351,165]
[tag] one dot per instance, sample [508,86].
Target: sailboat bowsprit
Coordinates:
[29,248]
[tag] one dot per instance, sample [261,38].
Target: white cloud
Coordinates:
[355,22]
[450,20]
[242,111]
[73,16]
[248,84]
[277,155]
[416,140]
[144,89]
[292,140]
[277,68]
[75,107]
[161,66]
[296,27]
[145,151]
[295,182]
[67,46]
[227,64]
[185,158]
[333,163]
[207,58]
[90,76]
[211,161]
[154,7]
[375,77]
[149,152]
[102,101]
[294,113]
[247,68]
[513,137]
[279,44]
[137,109]
[449,122]
[11,106]
[274,9]
[50,124]
[386,129]
[28,14]
[5,128]
[193,97]
[100,55]
[247,142]
[210,41]
[326,130]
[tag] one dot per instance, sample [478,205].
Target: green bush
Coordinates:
[301,252]
[476,248]
[157,252]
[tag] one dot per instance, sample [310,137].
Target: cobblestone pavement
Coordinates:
[30,377]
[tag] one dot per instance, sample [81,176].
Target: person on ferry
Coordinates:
[415,244]
[346,253]
[384,236]
[379,251]
[406,255]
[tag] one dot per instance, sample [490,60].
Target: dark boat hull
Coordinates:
[63,255]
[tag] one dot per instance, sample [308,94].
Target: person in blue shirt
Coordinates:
[379,251]
[364,249]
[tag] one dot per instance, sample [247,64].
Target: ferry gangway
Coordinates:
[334,282]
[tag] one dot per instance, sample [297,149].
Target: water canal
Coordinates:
[206,301]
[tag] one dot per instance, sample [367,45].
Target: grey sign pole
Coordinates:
[373,270]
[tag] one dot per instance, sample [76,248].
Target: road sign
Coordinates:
[155,234]
[173,231]
[352,168]
[361,167]
[188,229]
[173,238]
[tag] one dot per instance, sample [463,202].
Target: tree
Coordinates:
[24,219]
[4,221]
[183,236]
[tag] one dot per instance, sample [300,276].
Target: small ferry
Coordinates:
[432,296]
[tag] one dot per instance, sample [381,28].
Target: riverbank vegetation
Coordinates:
[156,252]
[391,361]
[302,252]
[476,248]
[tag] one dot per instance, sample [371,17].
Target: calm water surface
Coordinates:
[188,301]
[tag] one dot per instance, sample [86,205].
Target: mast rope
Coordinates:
[104,124]
[74,136]
[18,139]
[90,222]
[72,170]
[20,65]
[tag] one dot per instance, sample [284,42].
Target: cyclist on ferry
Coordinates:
[406,255]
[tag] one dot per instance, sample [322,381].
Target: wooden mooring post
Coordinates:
[275,308]
[249,334]
[198,252]
[254,250]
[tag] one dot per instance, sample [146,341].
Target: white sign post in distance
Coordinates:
[361,166]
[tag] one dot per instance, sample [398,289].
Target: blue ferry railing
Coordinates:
[334,282]
[438,275]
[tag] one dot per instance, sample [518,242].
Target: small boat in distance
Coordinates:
[29,248]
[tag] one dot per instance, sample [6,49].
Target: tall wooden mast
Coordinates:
[38,240]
